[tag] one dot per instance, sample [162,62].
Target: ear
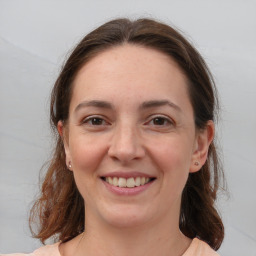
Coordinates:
[203,140]
[64,135]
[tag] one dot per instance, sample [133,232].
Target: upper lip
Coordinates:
[127,174]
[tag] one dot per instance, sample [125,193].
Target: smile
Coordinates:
[127,183]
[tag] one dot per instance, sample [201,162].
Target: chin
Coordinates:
[126,217]
[126,222]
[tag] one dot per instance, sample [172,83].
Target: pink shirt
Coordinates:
[197,248]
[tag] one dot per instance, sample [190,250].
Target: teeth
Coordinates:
[129,183]
[137,181]
[109,180]
[122,182]
[115,181]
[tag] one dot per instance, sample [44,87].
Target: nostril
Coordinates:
[125,145]
[126,154]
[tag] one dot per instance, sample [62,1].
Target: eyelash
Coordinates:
[167,121]
[91,118]
[164,121]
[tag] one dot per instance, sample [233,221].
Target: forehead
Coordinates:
[130,58]
[130,71]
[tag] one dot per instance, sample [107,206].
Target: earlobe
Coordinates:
[203,141]
[63,135]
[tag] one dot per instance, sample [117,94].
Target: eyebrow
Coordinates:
[94,103]
[159,103]
[144,105]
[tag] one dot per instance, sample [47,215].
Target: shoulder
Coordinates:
[47,250]
[200,248]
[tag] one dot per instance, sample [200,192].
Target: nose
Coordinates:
[126,144]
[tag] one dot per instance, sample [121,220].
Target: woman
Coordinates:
[135,170]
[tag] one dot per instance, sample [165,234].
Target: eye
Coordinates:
[94,121]
[160,122]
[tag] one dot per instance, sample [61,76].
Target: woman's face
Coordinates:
[131,137]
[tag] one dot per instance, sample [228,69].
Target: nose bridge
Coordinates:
[125,143]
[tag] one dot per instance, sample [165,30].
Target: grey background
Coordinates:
[35,37]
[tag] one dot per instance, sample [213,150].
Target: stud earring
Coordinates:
[197,163]
[69,165]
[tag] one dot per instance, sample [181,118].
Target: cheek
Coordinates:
[172,152]
[173,158]
[86,153]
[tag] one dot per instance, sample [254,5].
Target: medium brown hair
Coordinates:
[60,208]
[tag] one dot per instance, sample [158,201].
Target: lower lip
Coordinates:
[127,191]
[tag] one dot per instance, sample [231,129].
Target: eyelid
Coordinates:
[91,117]
[168,119]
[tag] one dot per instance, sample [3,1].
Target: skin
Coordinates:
[131,135]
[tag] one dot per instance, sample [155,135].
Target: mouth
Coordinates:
[131,182]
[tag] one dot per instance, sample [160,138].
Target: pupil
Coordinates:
[96,121]
[159,121]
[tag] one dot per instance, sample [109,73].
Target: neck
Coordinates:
[150,239]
